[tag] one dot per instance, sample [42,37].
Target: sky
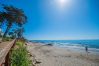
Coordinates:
[59,19]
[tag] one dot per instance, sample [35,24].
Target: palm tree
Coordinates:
[12,16]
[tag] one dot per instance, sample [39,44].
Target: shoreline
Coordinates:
[82,49]
[73,47]
[61,56]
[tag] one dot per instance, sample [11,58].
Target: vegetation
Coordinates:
[12,16]
[7,39]
[19,56]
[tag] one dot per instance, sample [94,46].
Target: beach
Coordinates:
[46,55]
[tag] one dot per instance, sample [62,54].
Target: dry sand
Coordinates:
[43,55]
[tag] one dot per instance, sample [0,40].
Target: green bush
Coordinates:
[6,39]
[19,57]
[20,44]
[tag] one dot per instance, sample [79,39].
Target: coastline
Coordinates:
[56,56]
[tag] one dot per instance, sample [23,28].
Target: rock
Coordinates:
[50,44]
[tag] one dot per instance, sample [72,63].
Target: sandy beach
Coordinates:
[44,55]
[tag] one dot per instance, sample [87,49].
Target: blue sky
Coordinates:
[48,20]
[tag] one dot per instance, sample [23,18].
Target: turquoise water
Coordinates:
[64,43]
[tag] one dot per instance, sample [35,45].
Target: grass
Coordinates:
[19,56]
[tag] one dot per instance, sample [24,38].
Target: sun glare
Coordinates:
[63,3]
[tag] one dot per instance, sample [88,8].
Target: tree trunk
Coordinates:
[0,35]
[0,31]
[4,35]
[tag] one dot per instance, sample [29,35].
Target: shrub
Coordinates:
[6,39]
[19,56]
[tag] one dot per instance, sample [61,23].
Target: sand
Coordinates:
[44,55]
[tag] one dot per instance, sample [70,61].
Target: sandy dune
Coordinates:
[43,55]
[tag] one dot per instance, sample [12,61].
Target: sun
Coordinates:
[63,3]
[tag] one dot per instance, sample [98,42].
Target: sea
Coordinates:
[76,44]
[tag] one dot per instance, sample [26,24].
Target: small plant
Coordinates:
[19,56]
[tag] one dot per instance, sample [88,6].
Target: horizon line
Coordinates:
[63,39]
